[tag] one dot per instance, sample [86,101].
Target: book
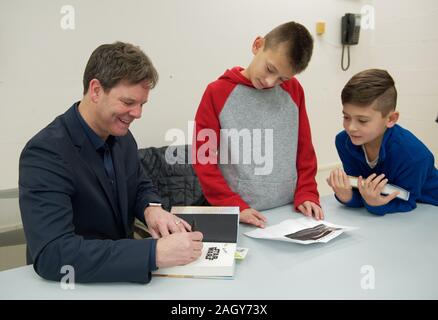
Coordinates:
[388,189]
[219,226]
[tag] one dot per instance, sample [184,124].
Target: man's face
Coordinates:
[365,125]
[269,67]
[116,109]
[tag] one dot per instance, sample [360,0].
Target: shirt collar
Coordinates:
[96,141]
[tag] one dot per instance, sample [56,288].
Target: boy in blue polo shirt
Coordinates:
[378,151]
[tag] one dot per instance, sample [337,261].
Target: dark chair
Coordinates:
[171,171]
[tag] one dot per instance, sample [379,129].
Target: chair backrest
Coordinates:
[170,169]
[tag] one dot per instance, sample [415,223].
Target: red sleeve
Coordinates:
[214,186]
[306,189]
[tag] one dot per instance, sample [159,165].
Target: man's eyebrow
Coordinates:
[131,100]
[126,99]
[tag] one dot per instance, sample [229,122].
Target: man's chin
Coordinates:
[120,133]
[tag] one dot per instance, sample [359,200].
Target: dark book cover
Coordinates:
[217,224]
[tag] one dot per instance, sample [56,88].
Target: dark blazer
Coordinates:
[68,210]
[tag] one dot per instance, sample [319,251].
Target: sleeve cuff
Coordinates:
[140,214]
[377,210]
[355,202]
[301,198]
[152,254]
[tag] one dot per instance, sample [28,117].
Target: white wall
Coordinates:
[191,43]
[405,42]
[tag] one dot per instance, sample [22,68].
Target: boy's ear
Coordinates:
[392,119]
[258,44]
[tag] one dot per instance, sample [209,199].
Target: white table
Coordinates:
[400,248]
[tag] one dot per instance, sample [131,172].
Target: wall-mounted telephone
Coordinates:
[350,30]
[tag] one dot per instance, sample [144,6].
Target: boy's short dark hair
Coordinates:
[112,63]
[299,43]
[371,85]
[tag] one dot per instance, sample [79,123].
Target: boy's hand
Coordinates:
[340,184]
[371,188]
[252,216]
[309,209]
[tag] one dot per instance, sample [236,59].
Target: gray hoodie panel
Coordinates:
[261,164]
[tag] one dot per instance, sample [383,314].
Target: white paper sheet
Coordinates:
[300,231]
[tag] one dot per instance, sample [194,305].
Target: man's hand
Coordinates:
[178,249]
[309,209]
[340,184]
[161,223]
[252,216]
[371,188]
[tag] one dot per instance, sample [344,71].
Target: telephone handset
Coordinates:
[350,29]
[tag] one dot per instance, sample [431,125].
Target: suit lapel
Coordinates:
[89,154]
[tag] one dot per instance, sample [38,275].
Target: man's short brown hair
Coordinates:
[112,63]
[371,85]
[298,40]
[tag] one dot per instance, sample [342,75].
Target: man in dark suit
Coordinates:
[81,184]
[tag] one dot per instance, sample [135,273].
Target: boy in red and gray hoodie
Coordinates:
[262,102]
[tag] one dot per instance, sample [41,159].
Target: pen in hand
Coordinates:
[193,225]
